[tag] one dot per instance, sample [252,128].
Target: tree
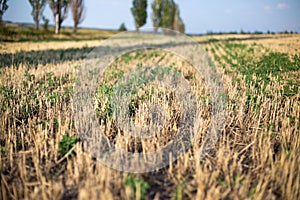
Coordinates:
[77,7]
[122,27]
[139,12]
[46,23]
[156,14]
[166,14]
[59,9]
[178,24]
[3,8]
[167,20]
[38,7]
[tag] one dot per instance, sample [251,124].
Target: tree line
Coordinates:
[165,13]
[59,10]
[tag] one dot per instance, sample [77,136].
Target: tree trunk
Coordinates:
[57,23]
[75,28]
[37,23]
[1,22]
[57,17]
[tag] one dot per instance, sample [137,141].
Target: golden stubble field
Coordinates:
[257,155]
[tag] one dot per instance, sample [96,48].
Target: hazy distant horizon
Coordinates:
[31,24]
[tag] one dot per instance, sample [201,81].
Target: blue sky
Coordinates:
[199,16]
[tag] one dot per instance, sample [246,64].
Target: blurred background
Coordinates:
[199,17]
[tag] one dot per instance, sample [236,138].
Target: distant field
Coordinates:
[16,33]
[257,155]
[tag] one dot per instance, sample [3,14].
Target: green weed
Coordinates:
[135,183]
[66,144]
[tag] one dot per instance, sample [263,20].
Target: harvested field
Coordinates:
[256,156]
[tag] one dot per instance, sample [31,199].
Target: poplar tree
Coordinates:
[166,14]
[60,10]
[77,8]
[139,12]
[156,14]
[38,7]
[3,8]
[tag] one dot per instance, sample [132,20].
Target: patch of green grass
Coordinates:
[252,192]
[179,192]
[272,66]
[104,104]
[66,144]
[135,184]
[141,77]
[2,149]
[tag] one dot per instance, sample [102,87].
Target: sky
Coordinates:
[199,16]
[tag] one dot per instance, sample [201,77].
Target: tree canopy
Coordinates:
[166,14]
[139,12]
[3,8]
[38,7]
[77,8]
